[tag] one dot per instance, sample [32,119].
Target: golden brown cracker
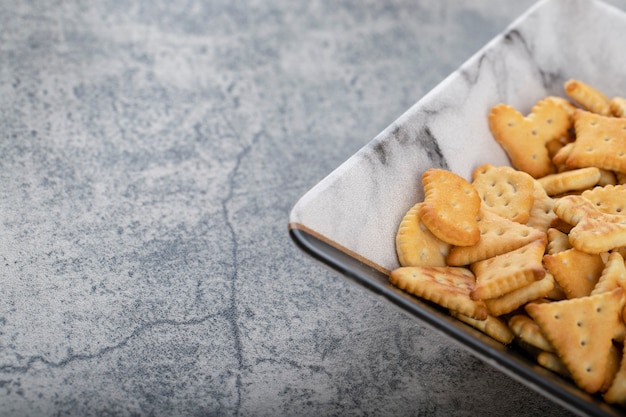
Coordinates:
[542,215]
[551,361]
[576,272]
[572,180]
[416,245]
[497,236]
[616,393]
[507,272]
[594,231]
[588,97]
[617,106]
[581,331]
[506,191]
[449,287]
[600,142]
[529,332]
[609,199]
[512,300]
[491,326]
[613,274]
[524,138]
[557,241]
[450,207]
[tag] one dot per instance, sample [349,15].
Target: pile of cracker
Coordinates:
[533,254]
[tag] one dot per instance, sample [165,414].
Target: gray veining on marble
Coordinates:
[150,153]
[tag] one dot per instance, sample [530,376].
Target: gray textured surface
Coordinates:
[150,153]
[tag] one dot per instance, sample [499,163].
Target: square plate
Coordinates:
[349,220]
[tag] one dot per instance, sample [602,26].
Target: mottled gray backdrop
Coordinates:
[150,153]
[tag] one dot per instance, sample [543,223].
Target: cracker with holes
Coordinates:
[529,332]
[491,326]
[450,207]
[498,235]
[616,392]
[506,191]
[551,361]
[588,97]
[600,142]
[416,245]
[449,287]
[512,300]
[557,241]
[618,106]
[594,231]
[573,180]
[542,215]
[507,272]
[613,274]
[609,199]
[524,138]
[581,332]
[576,272]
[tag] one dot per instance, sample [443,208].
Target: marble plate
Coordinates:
[350,218]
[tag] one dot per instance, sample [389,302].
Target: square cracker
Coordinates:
[506,191]
[507,272]
[448,286]
[498,235]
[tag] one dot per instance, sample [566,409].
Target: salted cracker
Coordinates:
[450,207]
[542,215]
[594,231]
[491,326]
[617,106]
[576,272]
[609,199]
[581,331]
[507,272]
[572,180]
[416,245]
[588,97]
[512,300]
[529,332]
[449,287]
[505,190]
[524,138]
[498,235]
[600,142]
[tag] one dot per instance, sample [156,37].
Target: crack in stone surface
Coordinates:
[87,356]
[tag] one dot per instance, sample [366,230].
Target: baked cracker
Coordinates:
[588,97]
[506,191]
[600,142]
[498,235]
[618,106]
[507,272]
[594,231]
[610,199]
[541,214]
[447,286]
[416,245]
[512,300]
[581,331]
[572,180]
[576,272]
[524,138]
[529,332]
[450,207]
[491,326]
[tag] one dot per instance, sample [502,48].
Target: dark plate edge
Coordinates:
[515,364]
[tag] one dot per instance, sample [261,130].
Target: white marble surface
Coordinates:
[150,154]
[360,205]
